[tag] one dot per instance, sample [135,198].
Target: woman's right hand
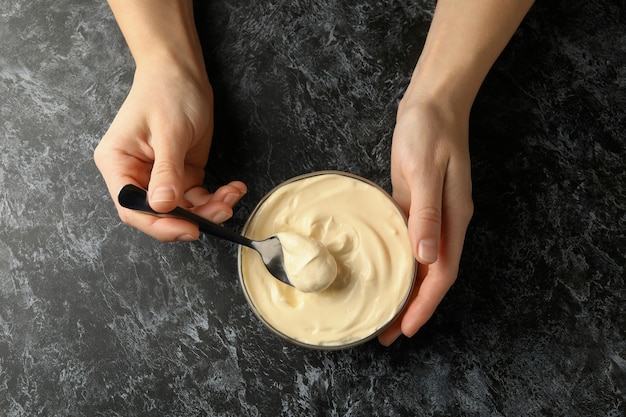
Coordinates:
[160,141]
[161,136]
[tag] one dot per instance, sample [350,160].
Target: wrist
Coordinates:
[167,63]
[440,85]
[463,42]
[440,97]
[161,34]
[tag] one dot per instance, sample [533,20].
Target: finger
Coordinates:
[166,229]
[215,211]
[432,287]
[230,194]
[123,166]
[395,330]
[171,229]
[425,212]
[119,166]
[166,186]
[216,207]
[390,334]
[435,280]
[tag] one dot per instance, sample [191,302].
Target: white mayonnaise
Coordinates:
[308,264]
[366,234]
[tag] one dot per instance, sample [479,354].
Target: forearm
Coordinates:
[464,40]
[160,31]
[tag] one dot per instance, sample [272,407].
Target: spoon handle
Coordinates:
[135,198]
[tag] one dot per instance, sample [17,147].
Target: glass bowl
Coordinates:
[364,230]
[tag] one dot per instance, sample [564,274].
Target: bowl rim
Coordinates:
[256,311]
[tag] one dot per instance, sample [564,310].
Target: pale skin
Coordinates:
[161,136]
[430,161]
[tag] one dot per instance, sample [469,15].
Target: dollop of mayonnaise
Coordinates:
[366,234]
[308,264]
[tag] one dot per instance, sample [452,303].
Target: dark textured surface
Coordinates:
[98,319]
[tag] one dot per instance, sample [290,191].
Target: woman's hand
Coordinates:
[430,166]
[160,140]
[161,136]
[430,174]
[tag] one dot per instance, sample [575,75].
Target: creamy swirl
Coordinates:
[365,233]
[308,264]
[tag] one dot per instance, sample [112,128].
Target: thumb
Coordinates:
[425,217]
[166,180]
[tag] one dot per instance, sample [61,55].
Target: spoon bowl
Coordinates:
[270,249]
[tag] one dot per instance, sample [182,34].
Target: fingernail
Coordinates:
[387,340]
[427,250]
[163,194]
[220,217]
[185,238]
[231,198]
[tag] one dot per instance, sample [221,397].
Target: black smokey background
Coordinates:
[97,319]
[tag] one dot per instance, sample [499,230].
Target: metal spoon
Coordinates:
[270,249]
